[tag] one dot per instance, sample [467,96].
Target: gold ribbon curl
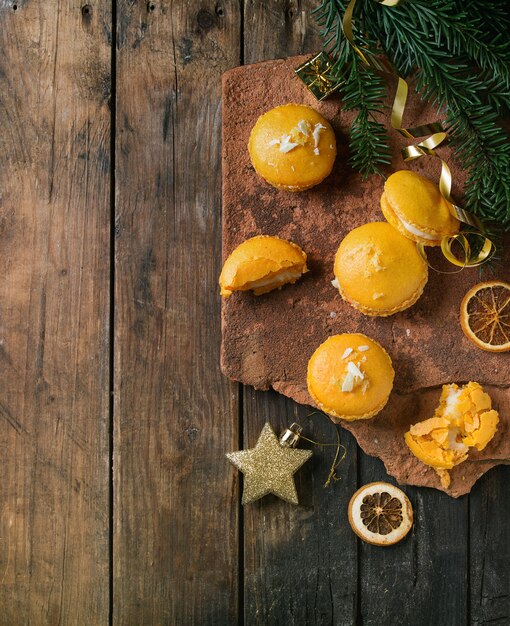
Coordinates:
[436,135]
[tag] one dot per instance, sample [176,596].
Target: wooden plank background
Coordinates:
[175,540]
[55,165]
[116,503]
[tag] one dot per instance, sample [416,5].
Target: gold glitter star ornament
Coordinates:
[269,467]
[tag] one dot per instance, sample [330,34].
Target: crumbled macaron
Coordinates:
[464,419]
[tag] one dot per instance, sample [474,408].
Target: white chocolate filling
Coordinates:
[416,231]
[280,279]
[452,401]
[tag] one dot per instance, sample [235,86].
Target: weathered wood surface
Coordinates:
[175,540]
[424,579]
[300,561]
[182,550]
[489,533]
[54,312]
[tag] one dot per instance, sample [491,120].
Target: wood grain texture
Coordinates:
[176,497]
[54,312]
[489,547]
[424,579]
[300,562]
[276,29]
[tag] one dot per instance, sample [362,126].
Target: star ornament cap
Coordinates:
[269,467]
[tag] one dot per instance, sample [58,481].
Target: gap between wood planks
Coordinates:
[113,221]
[240,550]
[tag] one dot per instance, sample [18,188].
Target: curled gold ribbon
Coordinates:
[425,148]
[397,114]
[446,248]
[486,248]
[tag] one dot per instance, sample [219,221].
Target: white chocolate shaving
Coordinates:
[353,369]
[304,127]
[354,376]
[316,133]
[346,353]
[286,145]
[348,384]
[363,348]
[335,283]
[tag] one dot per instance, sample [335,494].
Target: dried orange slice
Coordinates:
[380,513]
[485,315]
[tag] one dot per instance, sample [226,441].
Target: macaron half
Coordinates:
[415,207]
[379,271]
[292,147]
[261,264]
[350,376]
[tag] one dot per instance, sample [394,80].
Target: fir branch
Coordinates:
[458,54]
[494,16]
[361,90]
[449,34]
[365,91]
[329,17]
[482,148]
[481,145]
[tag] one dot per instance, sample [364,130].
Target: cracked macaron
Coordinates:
[415,207]
[350,376]
[261,264]
[379,271]
[292,147]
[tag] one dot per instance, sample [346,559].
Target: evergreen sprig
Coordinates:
[364,91]
[456,54]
